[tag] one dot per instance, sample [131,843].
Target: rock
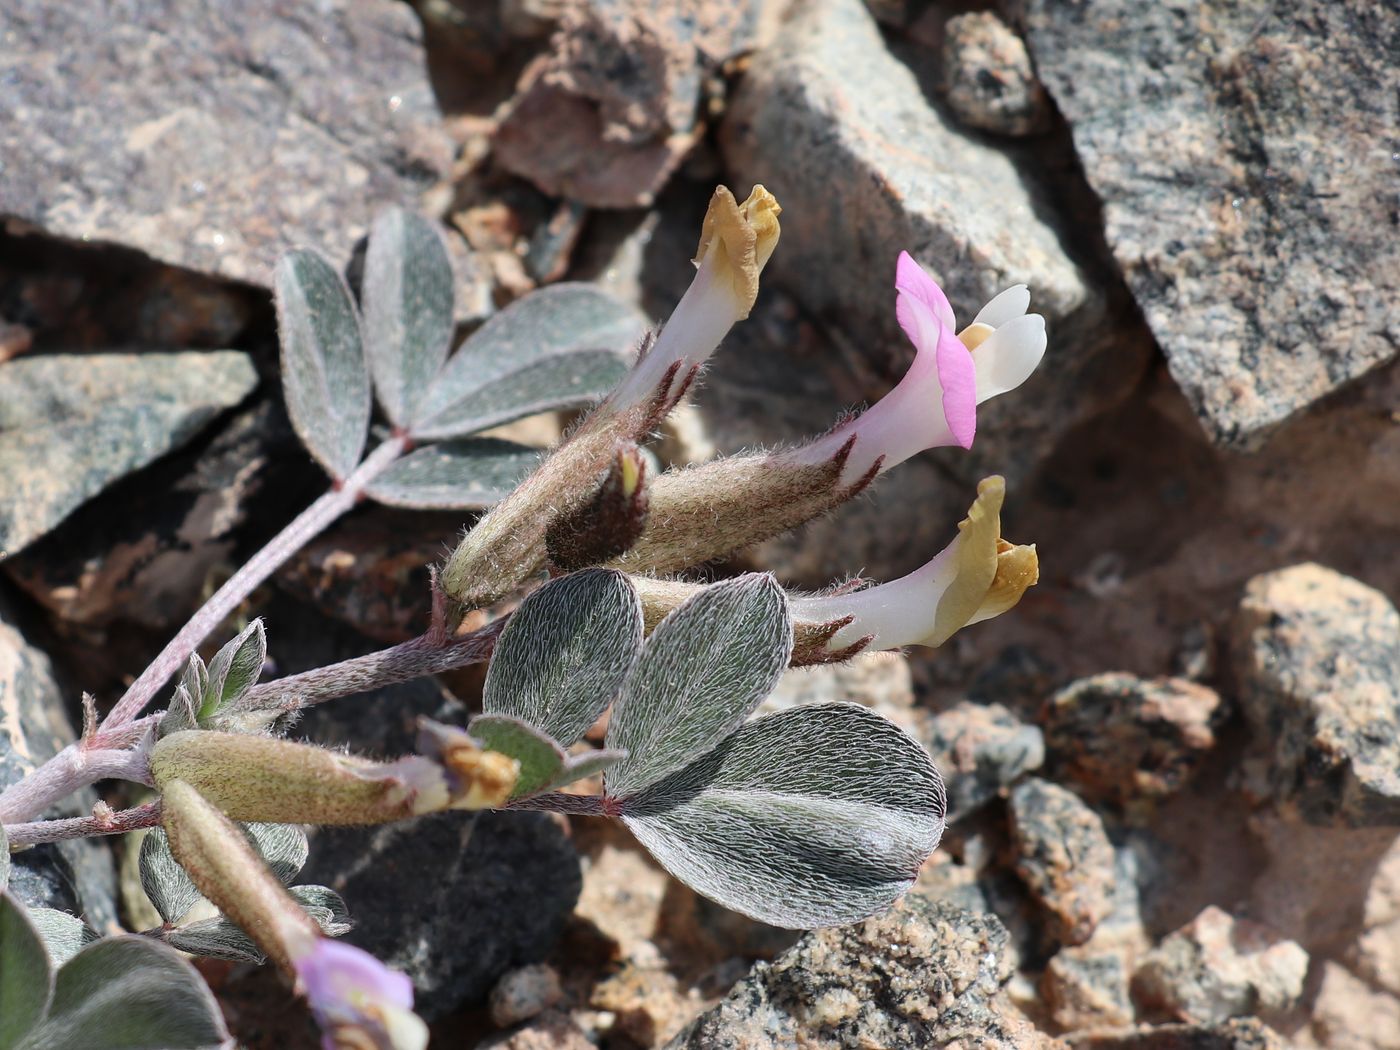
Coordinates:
[1063,855]
[880,681]
[646,1002]
[1348,1014]
[552,1031]
[215,138]
[826,104]
[622,895]
[103,565]
[608,116]
[453,902]
[1087,989]
[1123,739]
[925,974]
[76,876]
[524,993]
[1243,193]
[988,76]
[71,425]
[981,750]
[372,569]
[1218,967]
[1239,1033]
[1317,655]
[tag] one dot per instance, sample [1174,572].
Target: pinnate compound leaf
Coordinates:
[455,475]
[63,935]
[558,347]
[565,653]
[407,298]
[324,378]
[235,669]
[704,670]
[26,978]
[818,816]
[129,993]
[164,880]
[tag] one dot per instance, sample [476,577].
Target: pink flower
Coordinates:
[935,404]
[357,1000]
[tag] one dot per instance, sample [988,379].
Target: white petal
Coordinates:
[1005,306]
[896,614]
[1007,357]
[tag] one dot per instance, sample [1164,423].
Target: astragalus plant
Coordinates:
[817,816]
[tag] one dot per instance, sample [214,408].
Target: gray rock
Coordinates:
[1317,656]
[1124,739]
[925,974]
[1084,988]
[609,115]
[880,681]
[103,564]
[217,136]
[453,901]
[981,750]
[75,876]
[1248,191]
[1240,1033]
[1217,967]
[70,425]
[524,993]
[988,76]
[1063,855]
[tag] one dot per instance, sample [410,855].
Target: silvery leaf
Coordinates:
[130,993]
[282,846]
[407,299]
[565,653]
[817,816]
[324,378]
[704,670]
[164,880]
[558,347]
[26,978]
[235,669]
[326,907]
[216,939]
[63,934]
[455,475]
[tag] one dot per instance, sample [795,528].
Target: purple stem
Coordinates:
[144,816]
[297,534]
[76,766]
[421,656]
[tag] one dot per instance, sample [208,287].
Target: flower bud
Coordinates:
[606,526]
[260,778]
[977,576]
[736,241]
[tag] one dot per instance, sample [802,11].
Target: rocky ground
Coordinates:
[1174,770]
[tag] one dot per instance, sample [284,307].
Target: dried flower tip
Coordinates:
[935,404]
[736,242]
[608,524]
[359,1002]
[977,576]
[476,778]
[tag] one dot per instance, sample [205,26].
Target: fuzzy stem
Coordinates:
[421,656]
[124,820]
[306,525]
[75,767]
[561,802]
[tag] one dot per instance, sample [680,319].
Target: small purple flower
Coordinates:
[935,404]
[357,1000]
